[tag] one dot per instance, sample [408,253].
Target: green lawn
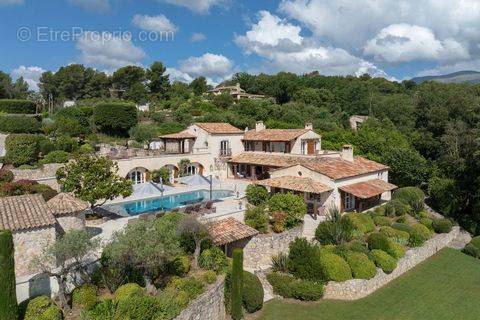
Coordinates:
[447,286]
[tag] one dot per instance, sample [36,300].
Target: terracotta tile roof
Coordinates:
[368,189]
[25,212]
[65,203]
[337,168]
[274,134]
[218,128]
[296,184]
[229,230]
[334,168]
[179,135]
[269,159]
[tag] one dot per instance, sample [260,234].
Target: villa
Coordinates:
[235,92]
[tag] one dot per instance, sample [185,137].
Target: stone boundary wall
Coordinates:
[359,288]
[44,175]
[210,305]
[258,252]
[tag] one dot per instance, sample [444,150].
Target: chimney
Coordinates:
[308,126]
[259,126]
[347,152]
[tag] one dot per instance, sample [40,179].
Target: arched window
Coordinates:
[137,176]
[191,170]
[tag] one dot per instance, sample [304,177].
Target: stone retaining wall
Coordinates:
[358,288]
[258,252]
[44,175]
[208,306]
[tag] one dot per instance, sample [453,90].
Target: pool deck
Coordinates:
[228,207]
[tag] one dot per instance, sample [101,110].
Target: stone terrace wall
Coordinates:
[258,252]
[358,288]
[208,306]
[45,174]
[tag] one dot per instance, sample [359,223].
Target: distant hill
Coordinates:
[456,77]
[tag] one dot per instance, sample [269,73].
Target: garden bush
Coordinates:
[334,267]
[213,259]
[180,266]
[381,241]
[85,296]
[104,310]
[15,106]
[427,222]
[442,225]
[8,298]
[398,208]
[58,156]
[19,124]
[476,241]
[403,227]
[209,277]
[362,222]
[257,218]
[362,267]
[280,262]
[472,250]
[115,118]
[287,286]
[66,143]
[252,296]
[45,146]
[383,260]
[190,285]
[416,240]
[412,196]
[422,230]
[358,246]
[42,308]
[293,205]
[398,236]
[138,308]
[279,221]
[6,176]
[127,291]
[334,232]
[256,194]
[396,250]
[304,260]
[86,149]
[381,221]
[21,149]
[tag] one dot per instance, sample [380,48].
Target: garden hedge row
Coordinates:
[17,106]
[115,118]
[383,260]
[287,286]
[19,124]
[362,267]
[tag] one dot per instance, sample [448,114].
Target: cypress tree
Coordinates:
[237,285]
[8,296]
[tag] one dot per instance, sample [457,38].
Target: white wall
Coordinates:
[310,135]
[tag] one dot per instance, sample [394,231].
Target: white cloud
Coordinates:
[108,51]
[214,66]
[10,2]
[92,5]
[198,6]
[405,42]
[158,23]
[177,75]
[198,37]
[30,74]
[284,49]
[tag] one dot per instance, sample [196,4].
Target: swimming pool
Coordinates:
[133,208]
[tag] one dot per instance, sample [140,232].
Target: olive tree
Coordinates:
[190,226]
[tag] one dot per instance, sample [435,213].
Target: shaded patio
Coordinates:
[363,195]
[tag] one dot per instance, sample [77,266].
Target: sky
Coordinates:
[395,39]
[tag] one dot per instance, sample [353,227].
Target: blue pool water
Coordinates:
[137,207]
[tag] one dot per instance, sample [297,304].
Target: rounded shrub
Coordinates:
[476,241]
[423,231]
[252,292]
[396,250]
[86,149]
[304,260]
[403,227]
[257,218]
[43,308]
[416,239]
[381,221]
[256,194]
[358,246]
[334,232]
[412,196]
[22,149]
[293,205]
[383,260]
[442,225]
[57,156]
[137,307]
[287,286]
[378,240]
[115,118]
[127,291]
[104,310]
[85,296]
[334,267]
[398,236]
[362,267]
[362,222]
[213,259]
[427,222]
[472,250]
[180,266]
[190,285]
[209,277]
[400,208]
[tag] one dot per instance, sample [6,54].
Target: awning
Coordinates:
[229,230]
[295,184]
[368,189]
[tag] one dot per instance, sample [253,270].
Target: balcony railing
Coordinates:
[225,152]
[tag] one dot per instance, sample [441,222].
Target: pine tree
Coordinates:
[237,285]
[8,297]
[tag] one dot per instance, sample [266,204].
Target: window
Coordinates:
[304,147]
[349,202]
[224,148]
[137,176]
[191,170]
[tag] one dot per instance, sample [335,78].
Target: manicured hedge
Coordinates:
[127,291]
[396,235]
[19,124]
[334,232]
[381,221]
[412,196]
[381,241]
[138,307]
[115,118]
[85,296]
[8,298]
[256,194]
[427,222]
[383,260]
[287,286]
[472,250]
[362,267]
[423,231]
[22,149]
[57,156]
[42,308]
[442,225]
[334,267]
[362,222]
[17,106]
[252,296]
[304,260]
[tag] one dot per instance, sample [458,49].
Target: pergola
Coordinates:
[181,139]
[367,193]
[310,188]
